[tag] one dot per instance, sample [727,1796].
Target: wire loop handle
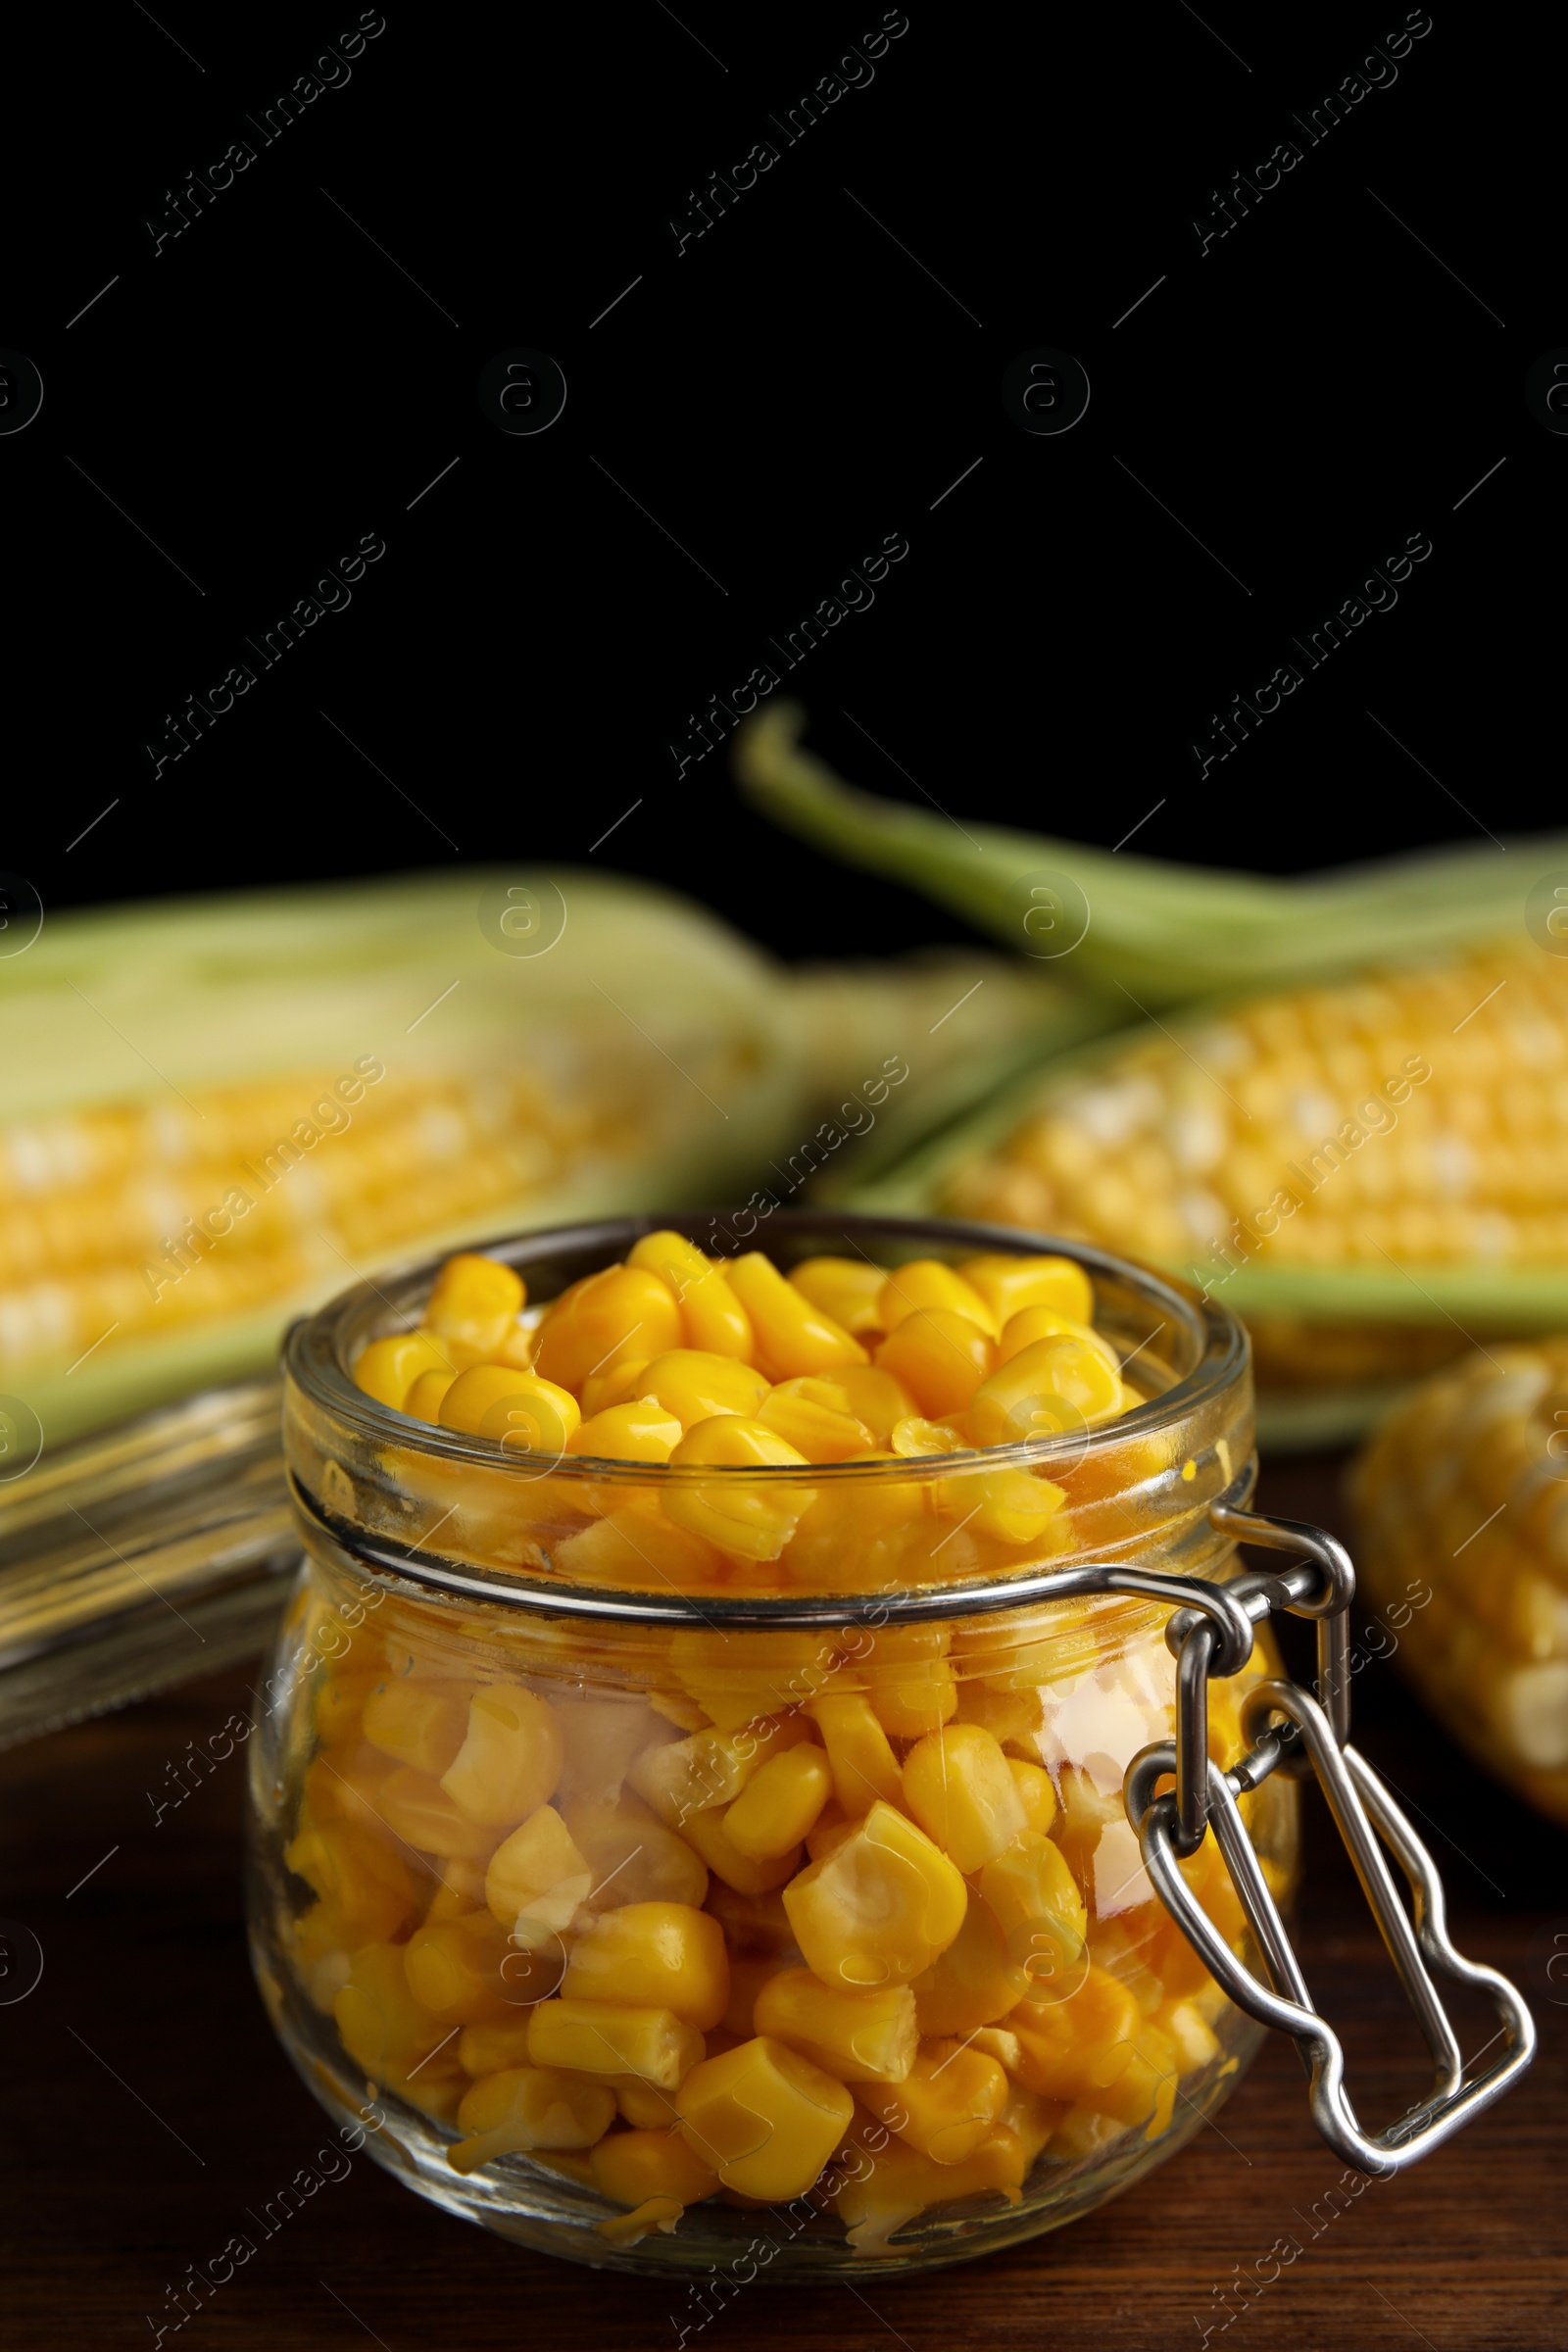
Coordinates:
[1313,1738]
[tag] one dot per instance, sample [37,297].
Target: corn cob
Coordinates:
[1371,1174]
[214,1116]
[1370,1169]
[1462,1502]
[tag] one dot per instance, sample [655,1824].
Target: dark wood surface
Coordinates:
[147,2106]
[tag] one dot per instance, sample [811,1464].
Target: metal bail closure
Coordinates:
[1364,1813]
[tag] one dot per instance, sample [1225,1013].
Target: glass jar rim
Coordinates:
[317,1351]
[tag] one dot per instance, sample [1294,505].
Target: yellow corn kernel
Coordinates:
[453,1969]
[527,1414]
[516,1347]
[1033,2119]
[619,1382]
[1010,1506]
[957,1786]
[872,1396]
[713,1317]
[880,1907]
[752,1923]
[947,2103]
[388,1368]
[474,1307]
[752,1520]
[858,1752]
[653,1956]
[622,1312]
[1189,2034]
[346,1784]
[419,1810]
[630,2167]
[793,1338]
[780,1804]
[899,2182]
[844,1289]
[908,1682]
[925,1285]
[601,1737]
[536,1878]
[641,2105]
[420,1723]
[528,2107]
[832,1827]
[633,1860]
[615,2037]
[745,1873]
[765,2117]
[693,1385]
[1036,1899]
[383,2028]
[1038,1796]
[682,1777]
[734,1678]
[459,1889]
[810,1415]
[940,1358]
[1008,1285]
[1005,1714]
[337,1711]
[627,1432]
[1033,1323]
[1095,2048]
[633,1545]
[423,1400]
[511,1757]
[490,2048]
[747,1974]
[868,2036]
[914,1438]
[362,1879]
[975,1982]
[1049,1387]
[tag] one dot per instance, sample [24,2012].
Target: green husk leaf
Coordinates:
[1159,933]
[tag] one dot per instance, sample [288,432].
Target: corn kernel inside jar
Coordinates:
[845,1920]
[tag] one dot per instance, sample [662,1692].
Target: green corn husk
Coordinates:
[649,1057]
[1165,936]
[1158,933]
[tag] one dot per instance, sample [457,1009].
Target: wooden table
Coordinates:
[149,2107]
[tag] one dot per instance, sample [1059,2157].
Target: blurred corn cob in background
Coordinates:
[215,1114]
[1463,1494]
[1367,1158]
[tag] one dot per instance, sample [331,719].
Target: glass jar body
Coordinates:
[920,2001]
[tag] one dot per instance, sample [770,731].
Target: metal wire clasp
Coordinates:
[1287,1729]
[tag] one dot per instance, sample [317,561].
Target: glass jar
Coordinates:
[600,1658]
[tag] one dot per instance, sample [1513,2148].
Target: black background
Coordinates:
[777,398]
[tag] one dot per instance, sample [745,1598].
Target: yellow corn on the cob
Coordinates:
[1463,1499]
[213,1117]
[1373,1172]
[1416,1116]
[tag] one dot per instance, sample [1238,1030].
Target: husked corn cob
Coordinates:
[1416,1115]
[277,1187]
[1294,1155]
[1463,1499]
